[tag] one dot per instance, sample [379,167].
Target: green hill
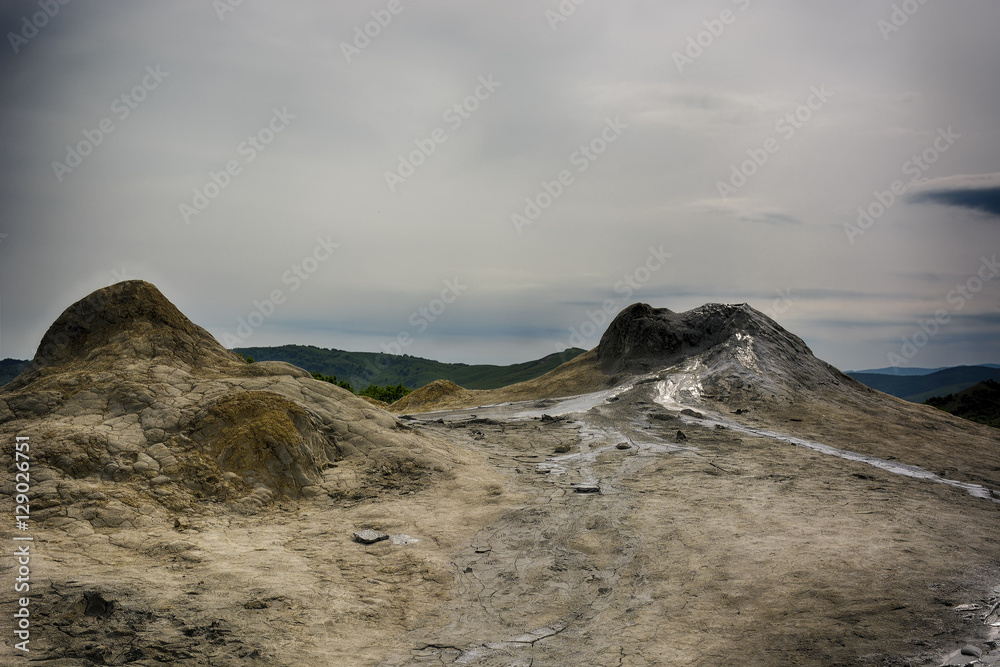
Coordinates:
[919,388]
[10,369]
[364,368]
[979,403]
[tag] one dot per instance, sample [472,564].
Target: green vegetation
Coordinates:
[979,403]
[385,394]
[362,369]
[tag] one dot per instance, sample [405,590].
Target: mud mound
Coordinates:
[436,393]
[733,353]
[134,411]
[130,319]
[642,335]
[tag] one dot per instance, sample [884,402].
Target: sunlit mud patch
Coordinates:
[744,352]
[673,392]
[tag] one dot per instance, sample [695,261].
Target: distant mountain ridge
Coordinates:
[897,370]
[919,388]
[900,370]
[364,368]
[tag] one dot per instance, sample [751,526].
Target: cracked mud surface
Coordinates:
[722,546]
[718,547]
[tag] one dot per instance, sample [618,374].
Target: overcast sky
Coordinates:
[479,182]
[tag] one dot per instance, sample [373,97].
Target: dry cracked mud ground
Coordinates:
[718,548]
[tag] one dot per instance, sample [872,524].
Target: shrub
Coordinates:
[387,394]
[332,379]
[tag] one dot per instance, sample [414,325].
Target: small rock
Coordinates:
[586,488]
[681,436]
[691,413]
[972,650]
[255,604]
[368,536]
[623,445]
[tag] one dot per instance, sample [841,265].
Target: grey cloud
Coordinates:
[655,186]
[979,192]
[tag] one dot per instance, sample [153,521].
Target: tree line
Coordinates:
[386,394]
